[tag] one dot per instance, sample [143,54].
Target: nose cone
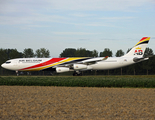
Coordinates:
[6,66]
[9,65]
[3,65]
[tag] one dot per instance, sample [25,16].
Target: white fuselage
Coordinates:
[20,63]
[110,63]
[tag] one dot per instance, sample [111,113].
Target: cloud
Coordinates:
[117,18]
[81,14]
[33,6]
[74,33]
[31,12]
[30,19]
[97,4]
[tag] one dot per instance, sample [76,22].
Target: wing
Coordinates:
[87,61]
[92,61]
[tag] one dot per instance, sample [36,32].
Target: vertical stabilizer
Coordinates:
[139,49]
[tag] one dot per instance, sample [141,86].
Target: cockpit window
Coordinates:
[7,62]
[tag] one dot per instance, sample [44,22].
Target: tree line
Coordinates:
[145,67]
[82,52]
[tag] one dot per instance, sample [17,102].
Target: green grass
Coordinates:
[82,81]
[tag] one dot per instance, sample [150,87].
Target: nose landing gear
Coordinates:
[17,73]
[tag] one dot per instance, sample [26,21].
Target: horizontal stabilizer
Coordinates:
[139,59]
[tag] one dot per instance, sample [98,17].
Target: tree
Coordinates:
[106,52]
[149,63]
[42,53]
[119,53]
[13,53]
[68,52]
[128,50]
[28,53]
[94,53]
[148,52]
[81,52]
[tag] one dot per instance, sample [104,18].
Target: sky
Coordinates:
[90,24]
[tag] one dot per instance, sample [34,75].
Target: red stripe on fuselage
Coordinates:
[51,61]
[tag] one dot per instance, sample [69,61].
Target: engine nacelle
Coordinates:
[62,69]
[79,66]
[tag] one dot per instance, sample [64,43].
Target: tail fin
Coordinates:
[139,49]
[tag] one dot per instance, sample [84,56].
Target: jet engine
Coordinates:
[79,66]
[62,69]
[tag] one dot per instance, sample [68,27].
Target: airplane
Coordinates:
[79,64]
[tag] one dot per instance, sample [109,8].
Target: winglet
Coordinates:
[106,57]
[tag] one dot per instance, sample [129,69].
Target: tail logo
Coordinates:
[138,51]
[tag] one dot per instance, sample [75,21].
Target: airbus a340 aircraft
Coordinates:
[79,64]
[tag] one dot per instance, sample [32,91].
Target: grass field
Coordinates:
[82,81]
[33,97]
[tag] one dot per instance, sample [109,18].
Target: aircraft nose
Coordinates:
[3,65]
[8,65]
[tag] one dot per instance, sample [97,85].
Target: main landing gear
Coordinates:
[77,73]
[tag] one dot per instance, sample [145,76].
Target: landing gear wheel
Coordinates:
[77,74]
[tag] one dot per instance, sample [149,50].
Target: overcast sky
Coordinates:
[91,24]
